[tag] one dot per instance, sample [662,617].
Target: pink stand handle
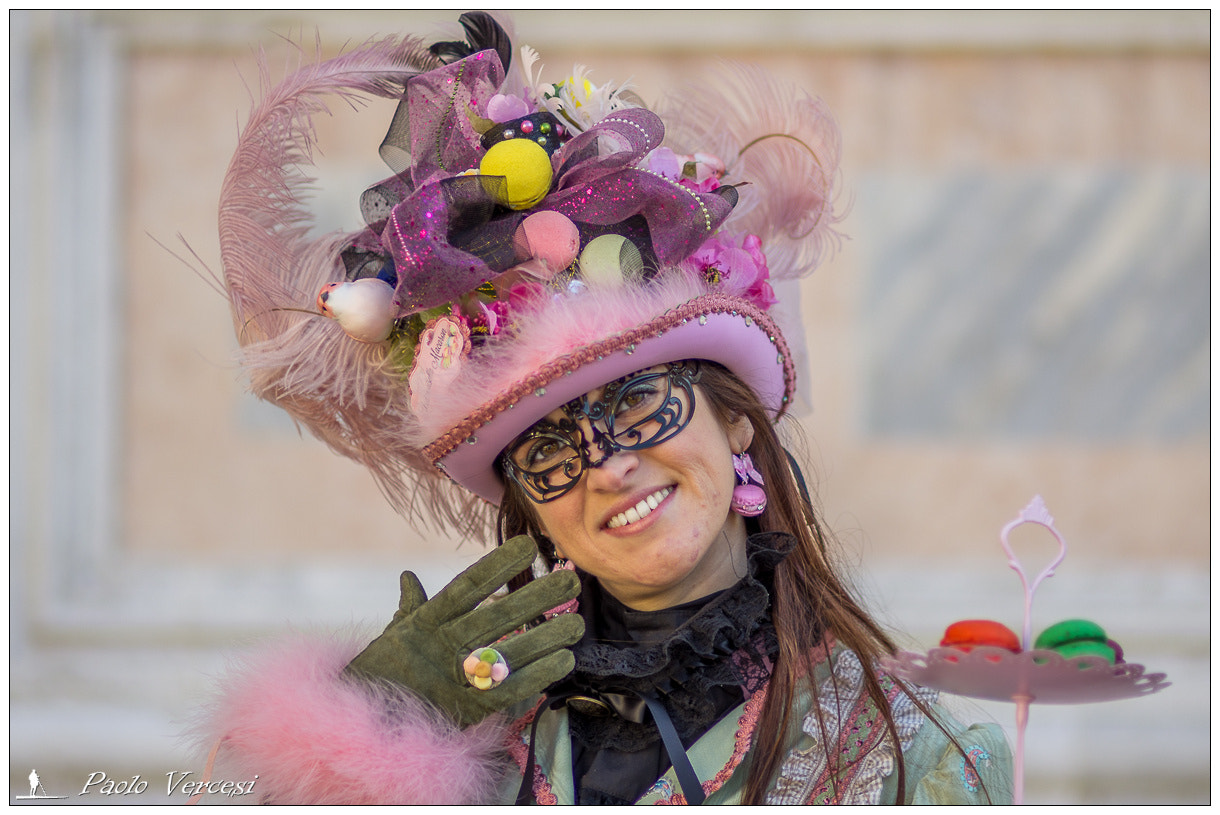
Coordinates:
[1036,513]
[1044,676]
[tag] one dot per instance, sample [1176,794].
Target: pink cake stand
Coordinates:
[1030,676]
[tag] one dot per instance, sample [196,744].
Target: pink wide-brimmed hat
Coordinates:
[536,241]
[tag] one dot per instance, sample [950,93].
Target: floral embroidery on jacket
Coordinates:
[851,723]
[662,788]
[978,757]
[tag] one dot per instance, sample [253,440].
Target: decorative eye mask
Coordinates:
[636,412]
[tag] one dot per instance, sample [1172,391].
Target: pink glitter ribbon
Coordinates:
[447,237]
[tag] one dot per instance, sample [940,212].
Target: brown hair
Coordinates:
[810,599]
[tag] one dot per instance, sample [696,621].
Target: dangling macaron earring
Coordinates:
[571,606]
[749,498]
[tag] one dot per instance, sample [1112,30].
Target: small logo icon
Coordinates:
[37,790]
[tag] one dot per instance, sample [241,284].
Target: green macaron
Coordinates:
[1076,638]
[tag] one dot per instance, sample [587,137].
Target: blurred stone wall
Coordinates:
[1021,308]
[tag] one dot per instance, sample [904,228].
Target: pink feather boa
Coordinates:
[286,716]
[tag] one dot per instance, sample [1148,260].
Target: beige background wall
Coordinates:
[160,515]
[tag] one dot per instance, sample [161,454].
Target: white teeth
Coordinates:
[640,510]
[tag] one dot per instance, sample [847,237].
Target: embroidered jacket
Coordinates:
[936,771]
[311,738]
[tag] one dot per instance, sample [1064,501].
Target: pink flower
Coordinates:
[706,185]
[737,266]
[524,294]
[761,294]
[503,108]
[699,173]
[706,166]
[664,162]
[501,310]
[486,321]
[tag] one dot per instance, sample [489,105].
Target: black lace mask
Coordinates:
[638,411]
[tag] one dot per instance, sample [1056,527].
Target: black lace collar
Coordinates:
[701,659]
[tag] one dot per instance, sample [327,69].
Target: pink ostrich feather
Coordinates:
[287,719]
[780,140]
[340,389]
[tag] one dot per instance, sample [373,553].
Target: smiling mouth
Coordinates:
[640,510]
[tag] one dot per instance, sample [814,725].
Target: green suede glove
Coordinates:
[423,647]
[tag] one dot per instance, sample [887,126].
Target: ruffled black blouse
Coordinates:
[700,660]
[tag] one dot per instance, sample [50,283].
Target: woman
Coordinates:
[563,305]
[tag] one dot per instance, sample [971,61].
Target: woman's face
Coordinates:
[654,524]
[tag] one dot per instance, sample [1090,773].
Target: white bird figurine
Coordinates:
[365,309]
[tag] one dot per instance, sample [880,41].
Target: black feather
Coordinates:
[482,33]
[448,52]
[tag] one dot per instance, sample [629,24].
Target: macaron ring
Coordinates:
[485,668]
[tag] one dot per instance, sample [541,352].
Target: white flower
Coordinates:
[575,101]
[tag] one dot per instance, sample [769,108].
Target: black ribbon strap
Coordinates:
[525,795]
[687,778]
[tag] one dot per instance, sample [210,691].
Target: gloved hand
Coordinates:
[424,645]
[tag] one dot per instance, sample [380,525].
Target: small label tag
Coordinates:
[444,343]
